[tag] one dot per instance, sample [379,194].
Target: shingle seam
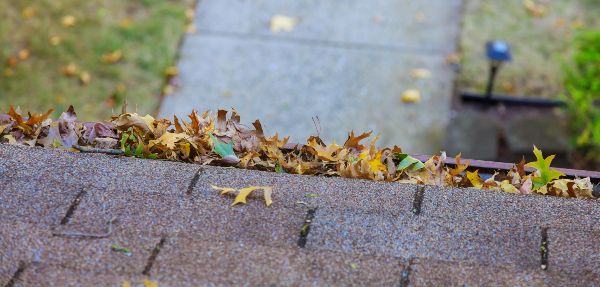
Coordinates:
[153,256]
[17,275]
[305,229]
[544,249]
[418,200]
[73,207]
[194,181]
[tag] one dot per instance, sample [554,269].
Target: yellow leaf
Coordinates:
[374,163]
[325,152]
[125,23]
[224,190]
[28,12]
[171,71]
[267,194]
[281,23]
[475,179]
[113,57]
[148,283]
[23,54]
[411,96]
[168,139]
[459,166]
[70,70]
[244,192]
[534,9]
[506,186]
[85,78]
[68,21]
[55,40]
[11,139]
[420,73]
[3,127]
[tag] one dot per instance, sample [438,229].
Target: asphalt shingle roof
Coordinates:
[181,232]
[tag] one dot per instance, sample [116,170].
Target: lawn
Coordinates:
[92,54]
[540,37]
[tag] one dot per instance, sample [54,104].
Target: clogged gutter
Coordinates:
[223,140]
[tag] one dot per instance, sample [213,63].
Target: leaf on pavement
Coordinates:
[281,23]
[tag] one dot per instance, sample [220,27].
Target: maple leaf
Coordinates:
[328,153]
[353,142]
[374,162]
[544,173]
[459,168]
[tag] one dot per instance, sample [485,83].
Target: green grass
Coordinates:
[540,45]
[148,44]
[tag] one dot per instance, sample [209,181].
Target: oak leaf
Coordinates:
[243,193]
[544,173]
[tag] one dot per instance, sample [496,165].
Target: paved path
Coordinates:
[346,62]
[183,233]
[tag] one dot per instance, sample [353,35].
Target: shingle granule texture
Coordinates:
[181,232]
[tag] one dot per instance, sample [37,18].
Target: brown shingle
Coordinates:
[189,261]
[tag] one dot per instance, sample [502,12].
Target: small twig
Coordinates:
[98,150]
[88,235]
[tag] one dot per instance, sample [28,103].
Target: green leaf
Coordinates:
[279,168]
[127,151]
[407,161]
[546,174]
[138,150]
[221,148]
[121,249]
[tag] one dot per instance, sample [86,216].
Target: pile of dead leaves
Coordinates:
[224,140]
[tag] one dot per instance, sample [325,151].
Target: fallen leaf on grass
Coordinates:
[55,40]
[85,78]
[243,193]
[28,12]
[23,54]
[68,21]
[411,96]
[70,70]
[534,9]
[281,23]
[113,57]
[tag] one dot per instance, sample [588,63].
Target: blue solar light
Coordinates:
[498,51]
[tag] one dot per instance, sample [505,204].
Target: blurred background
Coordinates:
[406,69]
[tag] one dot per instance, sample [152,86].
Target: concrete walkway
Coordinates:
[345,62]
